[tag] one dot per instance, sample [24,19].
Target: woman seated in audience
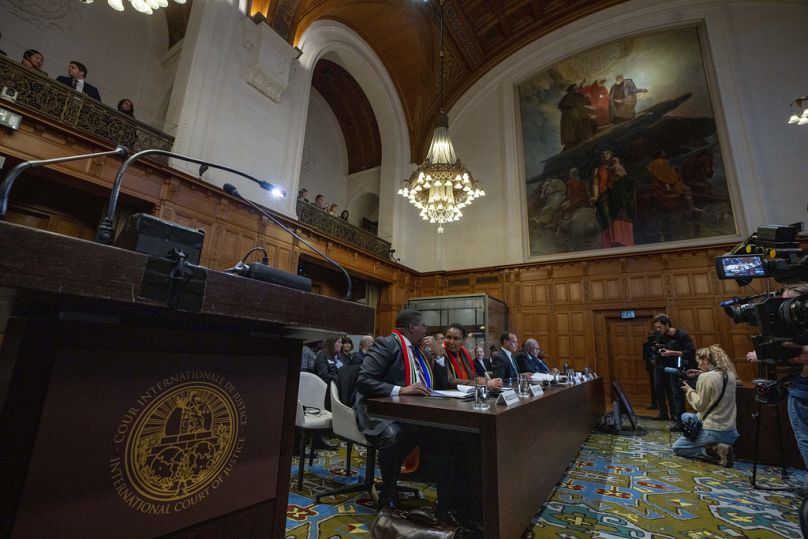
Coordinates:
[714,402]
[127,107]
[34,59]
[329,360]
[347,350]
[333,209]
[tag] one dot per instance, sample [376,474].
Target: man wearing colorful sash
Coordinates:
[395,366]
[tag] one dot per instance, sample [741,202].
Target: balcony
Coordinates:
[342,230]
[53,100]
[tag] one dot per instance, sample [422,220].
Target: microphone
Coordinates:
[106,231]
[232,191]
[12,175]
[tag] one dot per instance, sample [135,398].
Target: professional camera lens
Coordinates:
[742,314]
[794,314]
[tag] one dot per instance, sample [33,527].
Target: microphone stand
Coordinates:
[12,175]
[105,232]
[231,190]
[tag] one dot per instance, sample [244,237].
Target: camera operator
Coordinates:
[677,351]
[798,388]
[714,401]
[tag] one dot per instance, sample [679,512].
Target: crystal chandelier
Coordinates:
[442,186]
[144,6]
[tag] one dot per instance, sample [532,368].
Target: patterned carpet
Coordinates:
[618,487]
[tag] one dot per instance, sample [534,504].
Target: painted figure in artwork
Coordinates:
[613,193]
[577,117]
[623,99]
[598,96]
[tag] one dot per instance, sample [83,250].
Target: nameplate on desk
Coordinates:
[508,397]
[536,390]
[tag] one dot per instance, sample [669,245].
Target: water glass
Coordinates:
[480,393]
[524,384]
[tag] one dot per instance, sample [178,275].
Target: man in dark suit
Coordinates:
[481,363]
[394,366]
[76,73]
[503,362]
[364,345]
[530,358]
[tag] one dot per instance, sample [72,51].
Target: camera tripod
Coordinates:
[784,469]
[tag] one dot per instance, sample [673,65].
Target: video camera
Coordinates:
[655,347]
[773,251]
[770,391]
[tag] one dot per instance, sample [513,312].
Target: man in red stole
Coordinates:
[393,366]
[458,360]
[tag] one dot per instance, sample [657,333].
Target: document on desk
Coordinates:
[449,393]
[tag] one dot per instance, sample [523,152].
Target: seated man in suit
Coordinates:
[503,362]
[364,345]
[530,359]
[76,73]
[481,363]
[458,360]
[393,366]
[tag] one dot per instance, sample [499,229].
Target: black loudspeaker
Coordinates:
[156,237]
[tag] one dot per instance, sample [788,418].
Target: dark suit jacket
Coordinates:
[526,363]
[325,367]
[382,369]
[480,369]
[89,89]
[502,366]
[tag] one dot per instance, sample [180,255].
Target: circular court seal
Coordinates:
[181,441]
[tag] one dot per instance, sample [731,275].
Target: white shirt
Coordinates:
[79,85]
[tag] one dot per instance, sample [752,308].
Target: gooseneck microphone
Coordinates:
[106,232]
[12,175]
[231,190]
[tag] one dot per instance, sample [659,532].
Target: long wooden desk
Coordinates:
[121,416]
[525,448]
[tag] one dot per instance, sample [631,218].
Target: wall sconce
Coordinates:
[799,111]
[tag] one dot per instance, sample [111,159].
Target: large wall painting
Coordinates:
[621,148]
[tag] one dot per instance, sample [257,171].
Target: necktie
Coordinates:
[542,366]
[513,365]
[75,83]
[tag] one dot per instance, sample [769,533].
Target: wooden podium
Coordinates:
[128,414]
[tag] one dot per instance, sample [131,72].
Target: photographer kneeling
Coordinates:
[714,400]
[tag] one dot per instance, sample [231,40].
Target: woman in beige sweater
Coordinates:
[714,442]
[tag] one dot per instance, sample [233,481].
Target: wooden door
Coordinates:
[626,364]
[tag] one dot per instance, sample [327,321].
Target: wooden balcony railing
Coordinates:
[56,101]
[342,230]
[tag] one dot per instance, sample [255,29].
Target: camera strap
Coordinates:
[721,396]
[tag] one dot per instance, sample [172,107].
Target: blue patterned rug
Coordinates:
[618,487]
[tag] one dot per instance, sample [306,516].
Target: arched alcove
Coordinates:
[339,44]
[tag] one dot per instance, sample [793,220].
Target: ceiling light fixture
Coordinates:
[144,6]
[442,186]
[799,111]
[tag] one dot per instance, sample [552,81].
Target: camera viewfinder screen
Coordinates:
[743,266]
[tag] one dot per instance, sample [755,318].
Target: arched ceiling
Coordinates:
[404,34]
[354,113]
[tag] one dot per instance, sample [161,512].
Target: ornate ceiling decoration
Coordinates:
[480,34]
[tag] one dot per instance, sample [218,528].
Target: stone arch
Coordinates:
[338,43]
